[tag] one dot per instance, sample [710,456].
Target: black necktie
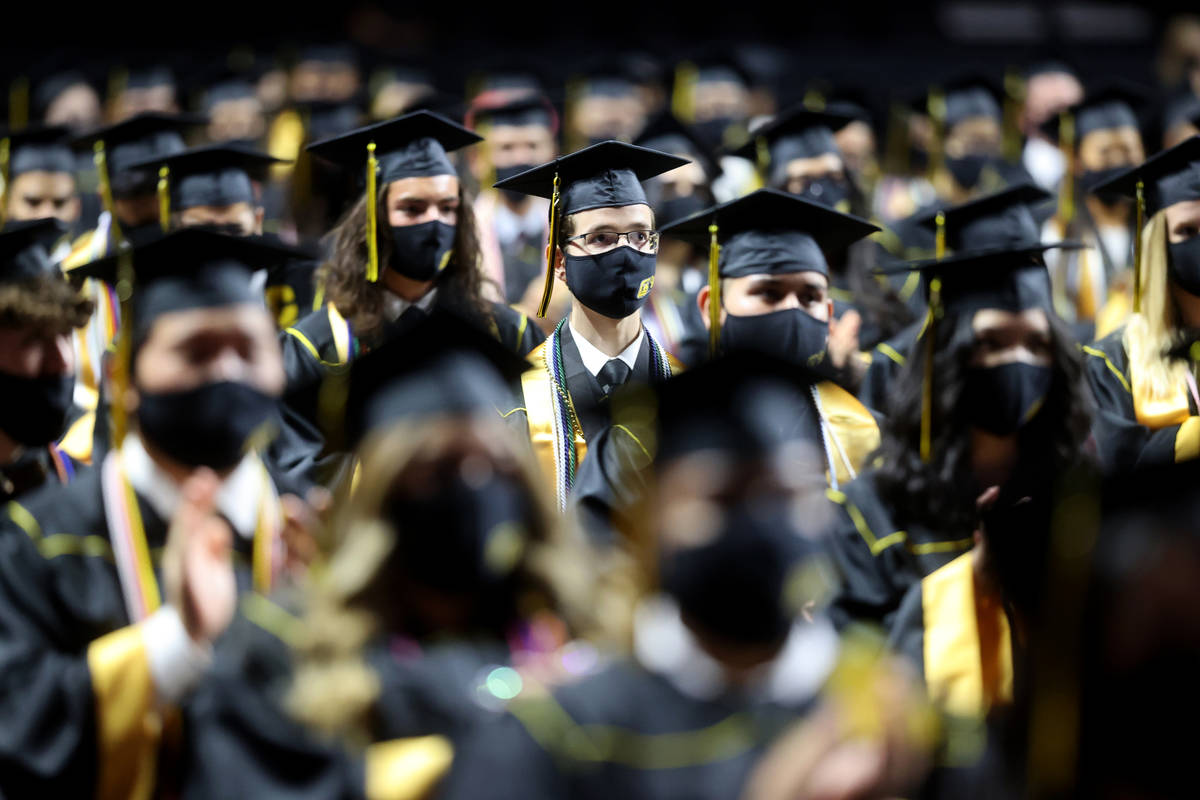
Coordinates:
[613,374]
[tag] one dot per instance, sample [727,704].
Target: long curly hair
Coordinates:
[942,493]
[344,275]
[357,596]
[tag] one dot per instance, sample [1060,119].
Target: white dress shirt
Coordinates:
[594,360]
[394,305]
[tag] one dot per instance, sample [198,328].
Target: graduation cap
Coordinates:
[528,109]
[409,146]
[767,231]
[142,137]
[23,252]
[1112,106]
[444,365]
[998,221]
[42,148]
[604,175]
[665,132]
[970,95]
[797,133]
[214,175]
[1183,107]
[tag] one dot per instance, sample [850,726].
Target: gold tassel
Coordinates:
[1139,221]
[164,198]
[18,104]
[683,98]
[1014,99]
[372,216]
[939,238]
[814,99]
[935,311]
[762,158]
[106,196]
[548,289]
[714,290]
[122,366]
[5,155]
[1066,143]
[936,107]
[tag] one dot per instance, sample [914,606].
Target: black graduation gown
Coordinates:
[877,559]
[624,732]
[33,469]
[290,290]
[59,594]
[888,360]
[1121,442]
[311,353]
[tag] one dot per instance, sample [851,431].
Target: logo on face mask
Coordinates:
[614,283]
[645,288]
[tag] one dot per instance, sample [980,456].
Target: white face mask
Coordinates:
[1044,162]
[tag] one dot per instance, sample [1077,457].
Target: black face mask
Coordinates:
[792,335]
[33,411]
[827,191]
[511,171]
[615,283]
[208,426]
[1183,264]
[1094,177]
[680,207]
[1003,399]
[463,538]
[968,169]
[714,130]
[141,234]
[735,586]
[226,228]
[422,251]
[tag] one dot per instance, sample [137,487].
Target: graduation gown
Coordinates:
[624,732]
[564,406]
[36,467]
[957,633]
[290,291]
[1129,429]
[888,360]
[878,558]
[79,715]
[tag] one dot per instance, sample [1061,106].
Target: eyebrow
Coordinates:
[408,198]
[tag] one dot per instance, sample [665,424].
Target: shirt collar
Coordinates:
[239,499]
[394,305]
[594,360]
[663,645]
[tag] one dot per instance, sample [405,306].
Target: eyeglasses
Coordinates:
[603,241]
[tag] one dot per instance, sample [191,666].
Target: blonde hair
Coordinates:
[1149,332]
[334,691]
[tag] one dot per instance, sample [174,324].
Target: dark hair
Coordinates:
[344,274]
[46,303]
[942,491]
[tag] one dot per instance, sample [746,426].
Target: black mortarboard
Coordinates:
[23,251]
[530,109]
[797,133]
[1169,177]
[604,175]
[329,54]
[972,95]
[1104,109]
[145,136]
[40,148]
[1015,279]
[410,146]
[213,175]
[149,76]
[667,134]
[998,221]
[1182,107]
[445,365]
[769,231]
[189,268]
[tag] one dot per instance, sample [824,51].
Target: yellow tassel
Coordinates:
[5,155]
[936,106]
[548,289]
[1139,221]
[1014,100]
[714,290]
[105,188]
[372,216]
[1066,143]
[18,104]
[164,198]
[935,311]
[683,98]
[939,238]
[762,153]
[814,99]
[122,366]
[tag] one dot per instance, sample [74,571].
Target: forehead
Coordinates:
[1187,211]
[976,126]
[619,218]
[786,280]
[1033,320]
[504,134]
[241,319]
[1107,137]
[799,167]
[41,180]
[436,186]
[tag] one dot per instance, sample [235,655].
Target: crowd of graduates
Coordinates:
[678,428]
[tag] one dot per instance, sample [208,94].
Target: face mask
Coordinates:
[791,335]
[1044,162]
[827,192]
[1094,177]
[226,228]
[968,169]
[735,586]
[615,283]
[713,130]
[680,207]
[208,426]
[1002,399]
[463,538]
[1183,264]
[422,251]
[33,411]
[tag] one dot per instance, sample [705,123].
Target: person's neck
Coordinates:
[1188,305]
[405,288]
[177,471]
[10,449]
[609,336]
[992,457]
[1106,216]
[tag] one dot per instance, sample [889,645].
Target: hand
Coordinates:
[301,520]
[843,338]
[197,563]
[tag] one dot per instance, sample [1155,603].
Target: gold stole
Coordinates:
[1159,413]
[968,644]
[541,410]
[853,429]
